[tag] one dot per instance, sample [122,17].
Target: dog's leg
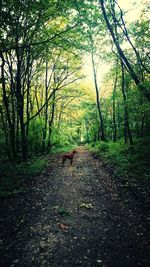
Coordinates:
[63,160]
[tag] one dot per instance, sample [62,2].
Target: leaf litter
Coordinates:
[74,216]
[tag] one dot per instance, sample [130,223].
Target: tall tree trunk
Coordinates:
[20,105]
[28,95]
[17,133]
[8,115]
[60,116]
[4,123]
[46,107]
[126,120]
[51,123]
[102,134]
[12,97]
[87,130]
[122,55]
[142,126]
[114,106]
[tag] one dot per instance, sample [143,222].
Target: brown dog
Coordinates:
[69,156]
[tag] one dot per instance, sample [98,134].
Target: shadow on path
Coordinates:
[73,216]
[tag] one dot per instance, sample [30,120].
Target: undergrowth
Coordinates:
[13,175]
[62,149]
[125,159]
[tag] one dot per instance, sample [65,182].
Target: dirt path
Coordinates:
[73,216]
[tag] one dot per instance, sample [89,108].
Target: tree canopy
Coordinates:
[45,99]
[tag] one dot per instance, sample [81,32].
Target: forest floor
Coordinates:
[75,215]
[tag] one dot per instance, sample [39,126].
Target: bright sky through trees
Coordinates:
[133,10]
[42,85]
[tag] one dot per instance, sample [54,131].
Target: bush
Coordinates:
[98,146]
[13,176]
[103,146]
[133,160]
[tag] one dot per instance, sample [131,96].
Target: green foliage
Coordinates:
[13,176]
[2,146]
[125,159]
[66,139]
[35,136]
[61,149]
[98,146]
[63,212]
[49,62]
[33,167]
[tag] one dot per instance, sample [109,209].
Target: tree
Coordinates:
[114,105]
[115,23]
[127,131]
[89,19]
[26,29]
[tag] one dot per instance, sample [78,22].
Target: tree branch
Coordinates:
[40,42]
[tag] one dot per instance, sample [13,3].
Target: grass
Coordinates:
[13,176]
[129,165]
[125,159]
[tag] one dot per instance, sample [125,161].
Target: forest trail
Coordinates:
[73,216]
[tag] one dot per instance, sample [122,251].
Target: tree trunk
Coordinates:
[46,108]
[20,106]
[51,123]
[142,126]
[12,97]
[87,130]
[102,134]
[114,106]
[28,95]
[4,123]
[126,120]
[6,105]
[122,55]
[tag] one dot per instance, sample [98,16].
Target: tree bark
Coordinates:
[4,123]
[28,95]
[114,106]
[87,131]
[126,119]
[122,55]
[6,105]
[142,126]
[51,123]
[20,106]
[46,108]
[102,134]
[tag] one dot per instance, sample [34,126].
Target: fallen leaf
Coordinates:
[87,206]
[63,226]
[99,261]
